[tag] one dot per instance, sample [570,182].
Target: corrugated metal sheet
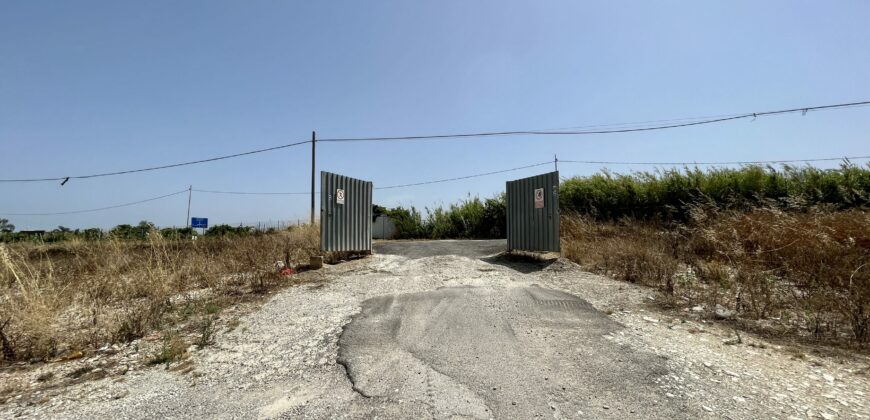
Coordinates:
[347,226]
[531,227]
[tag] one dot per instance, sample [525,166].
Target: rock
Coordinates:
[827,416]
[316,262]
[707,409]
[720,312]
[118,394]
[648,319]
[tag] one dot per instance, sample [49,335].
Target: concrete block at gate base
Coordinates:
[316,262]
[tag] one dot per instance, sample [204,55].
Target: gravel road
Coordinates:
[447,330]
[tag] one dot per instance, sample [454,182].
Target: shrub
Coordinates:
[79,295]
[672,194]
[811,268]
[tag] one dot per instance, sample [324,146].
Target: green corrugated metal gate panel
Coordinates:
[533,213]
[345,213]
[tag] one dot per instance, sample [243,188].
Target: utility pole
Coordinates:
[189,194]
[313,153]
[556,162]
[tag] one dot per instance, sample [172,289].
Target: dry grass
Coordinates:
[80,295]
[806,273]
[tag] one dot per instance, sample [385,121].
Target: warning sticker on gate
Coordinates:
[539,198]
[339,196]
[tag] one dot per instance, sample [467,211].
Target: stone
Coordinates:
[316,262]
[720,312]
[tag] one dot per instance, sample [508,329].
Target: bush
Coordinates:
[224,230]
[810,269]
[470,219]
[671,194]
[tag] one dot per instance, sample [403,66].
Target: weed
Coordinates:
[809,269]
[206,331]
[172,349]
[82,294]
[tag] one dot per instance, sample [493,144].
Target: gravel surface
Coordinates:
[281,361]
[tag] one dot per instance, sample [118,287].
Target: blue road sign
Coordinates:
[199,222]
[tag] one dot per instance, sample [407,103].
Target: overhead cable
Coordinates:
[97,209]
[464,177]
[619,128]
[752,115]
[174,165]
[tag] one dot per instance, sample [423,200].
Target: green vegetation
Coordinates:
[470,219]
[671,194]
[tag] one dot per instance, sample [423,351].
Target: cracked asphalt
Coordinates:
[448,329]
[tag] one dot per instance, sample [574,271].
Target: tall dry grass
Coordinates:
[80,295]
[807,271]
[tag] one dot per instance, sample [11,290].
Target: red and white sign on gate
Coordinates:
[539,198]
[339,196]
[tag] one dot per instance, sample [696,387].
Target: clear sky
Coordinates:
[91,86]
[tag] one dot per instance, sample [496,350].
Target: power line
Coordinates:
[627,128]
[608,131]
[743,162]
[98,209]
[252,193]
[464,177]
[384,188]
[174,165]
[593,162]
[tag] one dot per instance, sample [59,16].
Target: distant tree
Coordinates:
[6,227]
[377,211]
[92,234]
[223,230]
[146,225]
[62,229]
[177,233]
[124,231]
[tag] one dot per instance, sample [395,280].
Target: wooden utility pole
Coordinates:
[313,153]
[556,162]
[189,194]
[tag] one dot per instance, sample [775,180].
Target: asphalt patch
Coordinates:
[517,352]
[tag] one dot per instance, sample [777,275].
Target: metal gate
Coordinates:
[345,213]
[533,213]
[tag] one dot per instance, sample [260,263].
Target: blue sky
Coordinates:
[100,86]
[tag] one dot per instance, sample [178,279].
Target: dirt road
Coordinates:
[448,330]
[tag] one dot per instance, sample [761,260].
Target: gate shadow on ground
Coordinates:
[524,263]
